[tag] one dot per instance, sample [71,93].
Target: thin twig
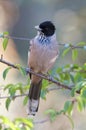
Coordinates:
[73,71]
[42,121]
[7,63]
[17,38]
[28,39]
[71,46]
[4,97]
[53,88]
[22,95]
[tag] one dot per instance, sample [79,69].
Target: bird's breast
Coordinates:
[42,56]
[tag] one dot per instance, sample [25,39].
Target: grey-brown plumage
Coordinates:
[42,56]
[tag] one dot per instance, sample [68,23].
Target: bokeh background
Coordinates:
[19,18]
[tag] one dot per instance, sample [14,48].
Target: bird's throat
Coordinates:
[44,40]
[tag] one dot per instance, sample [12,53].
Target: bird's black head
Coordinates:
[47,28]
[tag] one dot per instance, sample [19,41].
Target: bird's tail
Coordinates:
[34,97]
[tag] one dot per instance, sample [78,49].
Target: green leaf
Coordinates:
[8,101]
[68,107]
[45,84]
[81,100]
[59,70]
[81,43]
[78,77]
[5,72]
[43,93]
[74,54]
[71,121]
[19,87]
[75,67]
[26,128]
[65,51]
[80,85]
[6,33]
[73,91]
[26,87]
[21,69]
[52,113]
[25,100]
[67,66]
[8,86]
[84,67]
[70,110]
[12,91]
[66,76]
[5,41]
[0,126]
[27,122]
[84,103]
[83,92]
[7,122]
[79,106]
[60,112]
[72,78]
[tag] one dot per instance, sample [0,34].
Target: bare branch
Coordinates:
[53,88]
[4,97]
[7,63]
[17,38]
[42,121]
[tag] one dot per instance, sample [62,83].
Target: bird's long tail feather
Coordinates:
[34,97]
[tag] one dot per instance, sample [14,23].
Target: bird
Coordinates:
[41,58]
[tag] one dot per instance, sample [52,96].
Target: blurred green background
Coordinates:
[19,18]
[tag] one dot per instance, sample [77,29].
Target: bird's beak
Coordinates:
[37,28]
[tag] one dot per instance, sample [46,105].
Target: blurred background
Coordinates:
[19,18]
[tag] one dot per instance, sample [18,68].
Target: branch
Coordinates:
[66,45]
[4,97]
[22,95]
[17,38]
[7,63]
[42,121]
[53,88]
[46,77]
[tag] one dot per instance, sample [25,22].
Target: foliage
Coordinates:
[71,75]
[5,40]
[17,124]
